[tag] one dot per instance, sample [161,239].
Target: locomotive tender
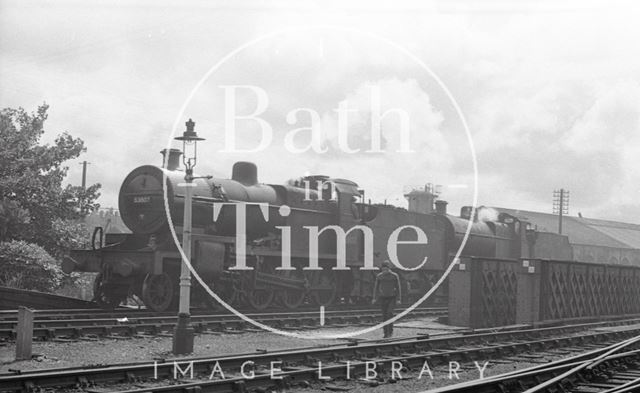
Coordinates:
[146,263]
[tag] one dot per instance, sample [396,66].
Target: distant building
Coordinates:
[591,240]
[109,219]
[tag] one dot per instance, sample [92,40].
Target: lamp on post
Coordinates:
[183,334]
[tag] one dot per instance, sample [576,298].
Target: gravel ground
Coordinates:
[109,351]
[413,384]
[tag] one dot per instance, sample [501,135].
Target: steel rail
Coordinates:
[411,350]
[12,315]
[63,317]
[587,364]
[556,371]
[294,373]
[76,328]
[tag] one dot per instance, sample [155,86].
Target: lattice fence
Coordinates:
[578,290]
[494,292]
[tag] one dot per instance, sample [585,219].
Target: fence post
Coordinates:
[528,302]
[477,304]
[460,294]
[24,333]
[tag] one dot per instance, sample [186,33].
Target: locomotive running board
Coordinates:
[264,280]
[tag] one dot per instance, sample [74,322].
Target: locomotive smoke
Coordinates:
[487,214]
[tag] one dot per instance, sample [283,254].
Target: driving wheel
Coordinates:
[259,296]
[260,299]
[323,287]
[157,291]
[292,298]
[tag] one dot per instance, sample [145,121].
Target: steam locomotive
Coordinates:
[146,262]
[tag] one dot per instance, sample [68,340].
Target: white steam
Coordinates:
[486,214]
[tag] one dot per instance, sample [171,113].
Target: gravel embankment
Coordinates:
[57,354]
[109,351]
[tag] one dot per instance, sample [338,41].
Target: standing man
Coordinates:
[386,292]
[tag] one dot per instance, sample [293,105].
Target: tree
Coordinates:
[84,199]
[12,217]
[31,176]
[28,266]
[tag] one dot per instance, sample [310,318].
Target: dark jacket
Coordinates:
[387,285]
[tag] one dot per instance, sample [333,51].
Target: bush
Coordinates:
[28,266]
[78,285]
[69,235]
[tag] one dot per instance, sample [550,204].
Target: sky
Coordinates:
[549,92]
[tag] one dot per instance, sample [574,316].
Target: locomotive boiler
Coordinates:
[287,262]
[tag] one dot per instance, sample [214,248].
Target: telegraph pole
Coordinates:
[84,175]
[84,183]
[560,205]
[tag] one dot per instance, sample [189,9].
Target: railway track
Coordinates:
[120,325]
[82,313]
[611,369]
[299,366]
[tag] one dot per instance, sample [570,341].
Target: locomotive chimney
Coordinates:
[245,173]
[441,207]
[173,161]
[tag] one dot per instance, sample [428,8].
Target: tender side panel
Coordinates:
[390,219]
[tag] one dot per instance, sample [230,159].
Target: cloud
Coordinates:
[550,94]
[564,136]
[383,173]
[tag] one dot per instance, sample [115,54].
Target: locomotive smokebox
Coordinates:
[173,160]
[245,173]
